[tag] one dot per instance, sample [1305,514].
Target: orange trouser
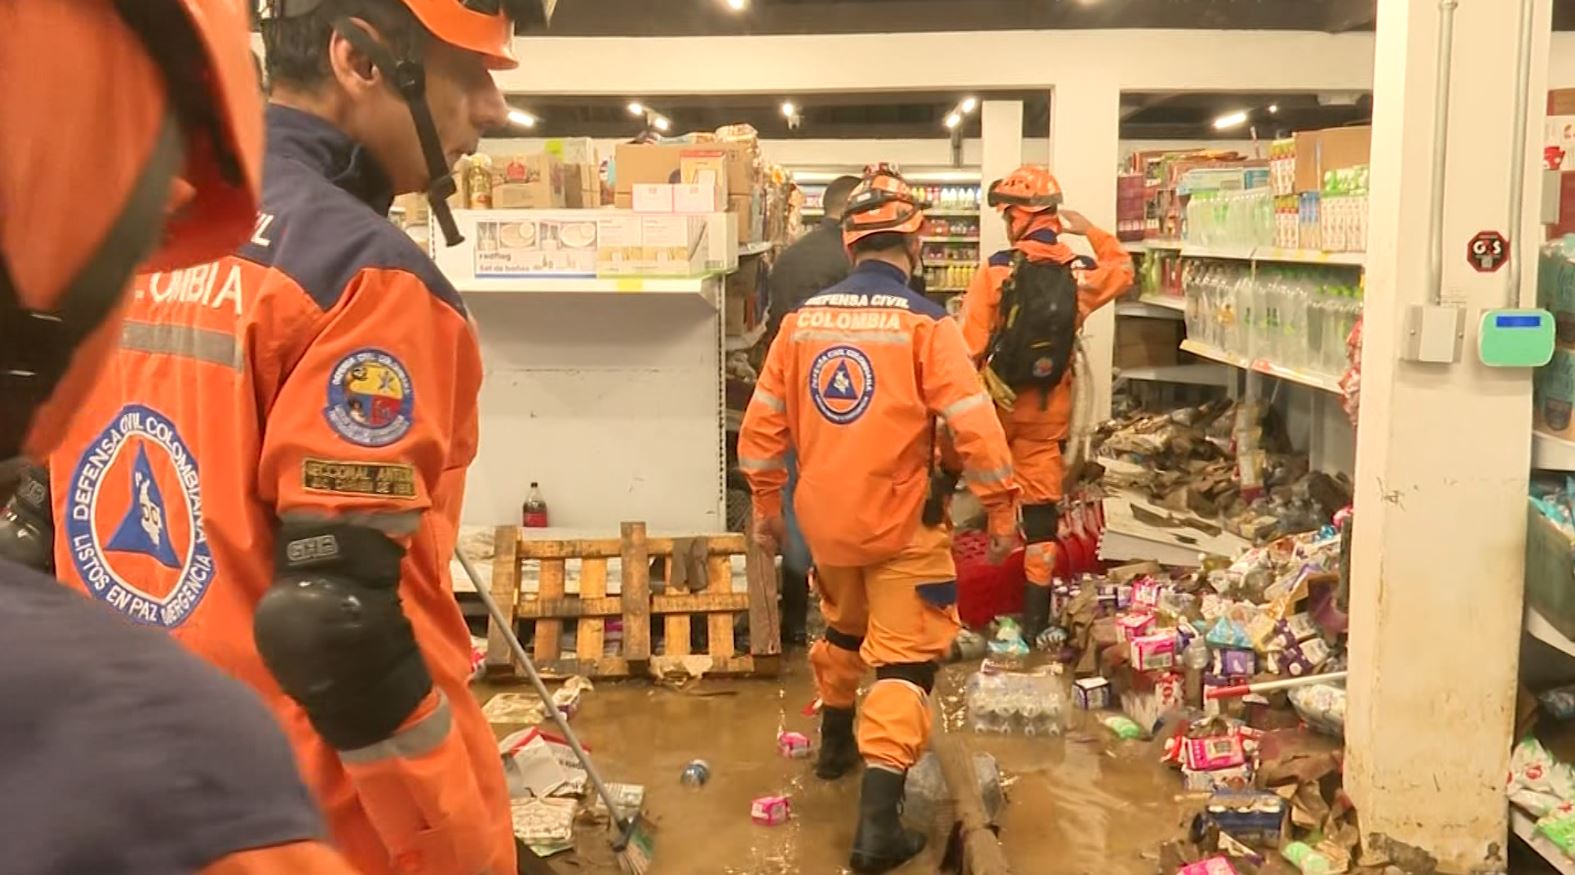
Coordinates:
[898,617]
[1034,433]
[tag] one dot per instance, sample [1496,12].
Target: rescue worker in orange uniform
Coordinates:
[272,465]
[119,750]
[856,382]
[1037,419]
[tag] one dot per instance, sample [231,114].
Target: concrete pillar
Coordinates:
[1085,133]
[1442,456]
[1002,122]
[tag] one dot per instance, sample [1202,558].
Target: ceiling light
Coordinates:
[661,122]
[970,104]
[737,5]
[953,120]
[1230,120]
[788,109]
[636,108]
[1274,109]
[522,118]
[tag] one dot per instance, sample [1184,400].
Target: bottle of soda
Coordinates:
[534,513]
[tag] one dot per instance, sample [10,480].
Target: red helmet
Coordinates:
[882,204]
[1031,188]
[176,152]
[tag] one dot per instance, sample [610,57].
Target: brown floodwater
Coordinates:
[1078,804]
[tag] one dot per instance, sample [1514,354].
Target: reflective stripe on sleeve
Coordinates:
[777,463]
[965,405]
[416,741]
[999,475]
[770,401]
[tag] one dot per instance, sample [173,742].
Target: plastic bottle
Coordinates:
[1123,727]
[1305,859]
[1196,659]
[533,515]
[695,774]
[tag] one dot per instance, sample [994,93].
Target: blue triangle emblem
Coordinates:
[145,528]
[841,385]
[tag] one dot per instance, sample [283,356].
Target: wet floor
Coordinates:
[1079,804]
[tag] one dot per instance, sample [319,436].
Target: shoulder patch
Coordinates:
[371,400]
[375,479]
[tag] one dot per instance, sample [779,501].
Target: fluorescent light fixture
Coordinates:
[636,108]
[970,104]
[662,123]
[1231,120]
[788,109]
[953,120]
[737,5]
[1274,109]
[522,118]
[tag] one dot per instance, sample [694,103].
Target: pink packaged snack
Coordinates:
[1211,866]
[794,745]
[770,810]
[1131,627]
[1214,752]
[1154,652]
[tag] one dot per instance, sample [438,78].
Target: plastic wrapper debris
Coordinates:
[1539,783]
[1559,702]
[1322,706]
[1225,633]
[544,823]
[770,810]
[1559,827]
[1015,703]
[926,790]
[527,708]
[1210,866]
[538,763]
[1007,646]
[1124,727]
[628,797]
[478,656]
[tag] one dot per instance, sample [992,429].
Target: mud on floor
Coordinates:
[1078,804]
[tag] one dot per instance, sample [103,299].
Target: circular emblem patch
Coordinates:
[370,398]
[134,519]
[842,384]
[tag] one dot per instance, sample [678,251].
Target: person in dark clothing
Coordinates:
[815,263]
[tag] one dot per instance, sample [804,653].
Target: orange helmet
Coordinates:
[1031,188]
[176,147]
[882,204]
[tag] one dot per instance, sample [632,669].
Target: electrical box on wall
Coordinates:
[1433,334]
[1516,338]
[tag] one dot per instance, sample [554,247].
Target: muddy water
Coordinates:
[1081,804]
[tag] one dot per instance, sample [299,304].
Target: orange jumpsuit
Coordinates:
[855,382]
[1036,426]
[326,369]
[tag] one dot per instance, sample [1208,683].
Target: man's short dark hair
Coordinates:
[296,48]
[835,200]
[885,241]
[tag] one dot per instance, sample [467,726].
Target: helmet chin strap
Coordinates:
[409,78]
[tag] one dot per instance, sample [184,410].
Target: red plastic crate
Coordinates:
[985,591]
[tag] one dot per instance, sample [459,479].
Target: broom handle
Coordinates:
[523,659]
[1240,690]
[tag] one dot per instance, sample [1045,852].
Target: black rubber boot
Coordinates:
[795,608]
[882,843]
[1036,611]
[839,750]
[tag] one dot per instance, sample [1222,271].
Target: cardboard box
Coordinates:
[620,249]
[572,150]
[1146,343]
[698,198]
[526,196]
[1561,101]
[1091,694]
[582,186]
[674,245]
[533,243]
[635,164]
[1318,152]
[653,198]
[706,167]
[750,213]
[526,182]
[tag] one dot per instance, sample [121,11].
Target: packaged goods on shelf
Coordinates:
[1130,214]
[1554,386]
[1297,316]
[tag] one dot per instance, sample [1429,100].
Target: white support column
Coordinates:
[1442,456]
[1002,121]
[1085,134]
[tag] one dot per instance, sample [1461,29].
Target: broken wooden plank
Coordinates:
[505,591]
[593,585]
[636,595]
[549,631]
[765,635]
[570,607]
[730,543]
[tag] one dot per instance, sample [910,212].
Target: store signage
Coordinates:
[1487,252]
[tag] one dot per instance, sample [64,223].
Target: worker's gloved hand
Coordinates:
[1001,546]
[1073,222]
[769,534]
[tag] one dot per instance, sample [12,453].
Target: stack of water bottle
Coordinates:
[1294,316]
[1240,218]
[1016,704]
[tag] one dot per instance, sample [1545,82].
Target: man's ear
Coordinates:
[352,69]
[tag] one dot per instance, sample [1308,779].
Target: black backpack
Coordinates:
[1033,345]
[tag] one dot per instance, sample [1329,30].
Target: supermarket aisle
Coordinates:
[1077,805]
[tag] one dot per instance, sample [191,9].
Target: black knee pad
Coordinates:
[1041,523]
[843,640]
[920,674]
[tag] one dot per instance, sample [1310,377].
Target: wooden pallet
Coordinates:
[699,586]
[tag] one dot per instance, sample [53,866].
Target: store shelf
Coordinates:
[951,264]
[949,239]
[950,290]
[1272,253]
[1526,828]
[1154,308]
[954,213]
[1156,243]
[1262,366]
[760,248]
[1538,627]
[747,340]
[705,286]
[1196,375]
[1549,453]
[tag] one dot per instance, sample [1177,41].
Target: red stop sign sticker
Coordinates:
[1488,251]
